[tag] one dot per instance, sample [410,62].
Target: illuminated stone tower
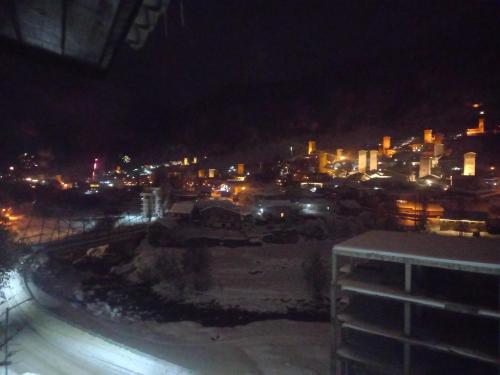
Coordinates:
[470,164]
[373,160]
[323,162]
[311,147]
[480,126]
[438,149]
[362,156]
[340,153]
[241,169]
[428,136]
[386,143]
[438,138]
[425,167]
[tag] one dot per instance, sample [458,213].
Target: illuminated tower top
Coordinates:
[311,147]
[428,136]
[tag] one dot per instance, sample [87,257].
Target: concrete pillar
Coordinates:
[470,164]
[425,167]
[311,147]
[335,326]
[373,160]
[362,156]
[407,322]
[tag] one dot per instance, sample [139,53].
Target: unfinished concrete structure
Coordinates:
[412,303]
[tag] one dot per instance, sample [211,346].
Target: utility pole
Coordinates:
[6,341]
[6,337]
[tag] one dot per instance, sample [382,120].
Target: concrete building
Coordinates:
[428,136]
[413,303]
[470,164]
[425,167]
[362,159]
[373,160]
[311,147]
[240,169]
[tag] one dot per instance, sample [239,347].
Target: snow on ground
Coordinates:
[256,278]
[268,278]
[44,344]
[266,347]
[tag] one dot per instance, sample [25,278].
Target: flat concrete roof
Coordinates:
[467,254]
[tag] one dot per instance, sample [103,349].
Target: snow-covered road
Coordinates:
[46,345]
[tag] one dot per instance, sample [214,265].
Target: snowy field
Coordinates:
[265,347]
[262,278]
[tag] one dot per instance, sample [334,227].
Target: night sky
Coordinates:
[242,70]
